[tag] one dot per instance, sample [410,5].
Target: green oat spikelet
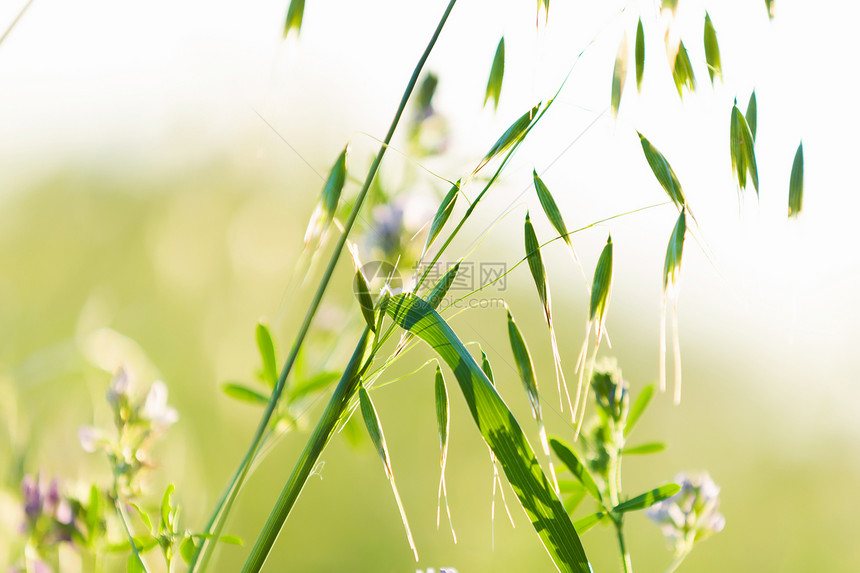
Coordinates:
[374,428]
[671,276]
[795,185]
[443,423]
[538,271]
[600,292]
[497,74]
[523,360]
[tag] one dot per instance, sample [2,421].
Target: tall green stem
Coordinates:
[218,518]
[308,459]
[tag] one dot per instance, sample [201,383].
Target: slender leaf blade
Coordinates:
[638,408]
[648,498]
[644,449]
[500,431]
[571,460]
[244,394]
[583,524]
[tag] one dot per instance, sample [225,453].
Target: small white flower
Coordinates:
[91,438]
[155,408]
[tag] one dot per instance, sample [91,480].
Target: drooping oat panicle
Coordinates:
[327,206]
[553,214]
[535,262]
[751,114]
[742,150]
[795,184]
[601,288]
[712,50]
[682,71]
[523,360]
[443,423]
[497,73]
[294,17]
[640,54]
[374,428]
[619,74]
[514,133]
[671,275]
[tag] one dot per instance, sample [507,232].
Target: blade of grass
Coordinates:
[499,430]
[795,185]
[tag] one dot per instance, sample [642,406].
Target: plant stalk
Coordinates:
[218,518]
[308,459]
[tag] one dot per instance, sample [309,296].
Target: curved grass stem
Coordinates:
[219,516]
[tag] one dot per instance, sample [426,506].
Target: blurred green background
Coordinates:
[161,243]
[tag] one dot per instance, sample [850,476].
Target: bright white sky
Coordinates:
[101,78]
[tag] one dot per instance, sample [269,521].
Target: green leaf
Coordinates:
[244,394]
[166,513]
[663,171]
[294,17]
[500,431]
[134,564]
[572,501]
[374,428]
[584,524]
[640,54]
[442,214]
[644,449]
[144,517]
[674,252]
[647,499]
[752,111]
[514,133]
[682,71]
[712,50]
[93,514]
[619,75]
[569,458]
[638,408]
[313,384]
[365,301]
[524,365]
[795,185]
[186,549]
[497,72]
[231,540]
[267,353]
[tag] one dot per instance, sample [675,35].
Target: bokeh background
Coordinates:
[158,165]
